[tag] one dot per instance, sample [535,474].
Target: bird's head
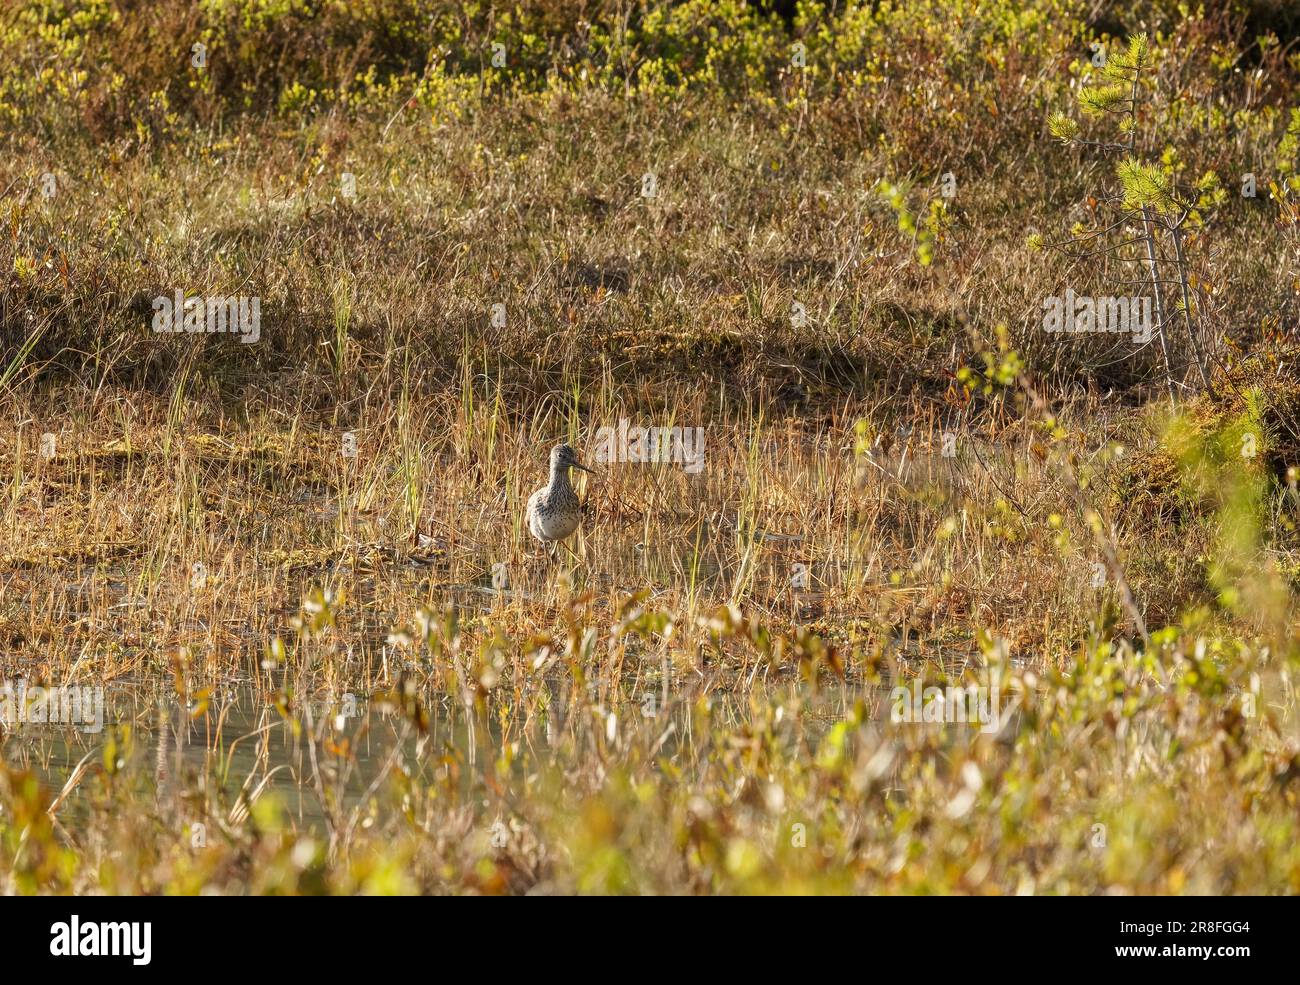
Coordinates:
[564,457]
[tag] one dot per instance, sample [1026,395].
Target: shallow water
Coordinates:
[243,741]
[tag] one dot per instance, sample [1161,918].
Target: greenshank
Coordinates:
[554,510]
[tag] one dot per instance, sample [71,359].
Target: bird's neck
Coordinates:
[559,479]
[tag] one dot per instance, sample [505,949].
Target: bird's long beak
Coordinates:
[584,468]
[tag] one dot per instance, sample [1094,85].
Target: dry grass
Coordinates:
[328,672]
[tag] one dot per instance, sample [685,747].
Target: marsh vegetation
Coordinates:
[333,660]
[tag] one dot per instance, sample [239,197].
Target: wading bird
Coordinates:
[554,510]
